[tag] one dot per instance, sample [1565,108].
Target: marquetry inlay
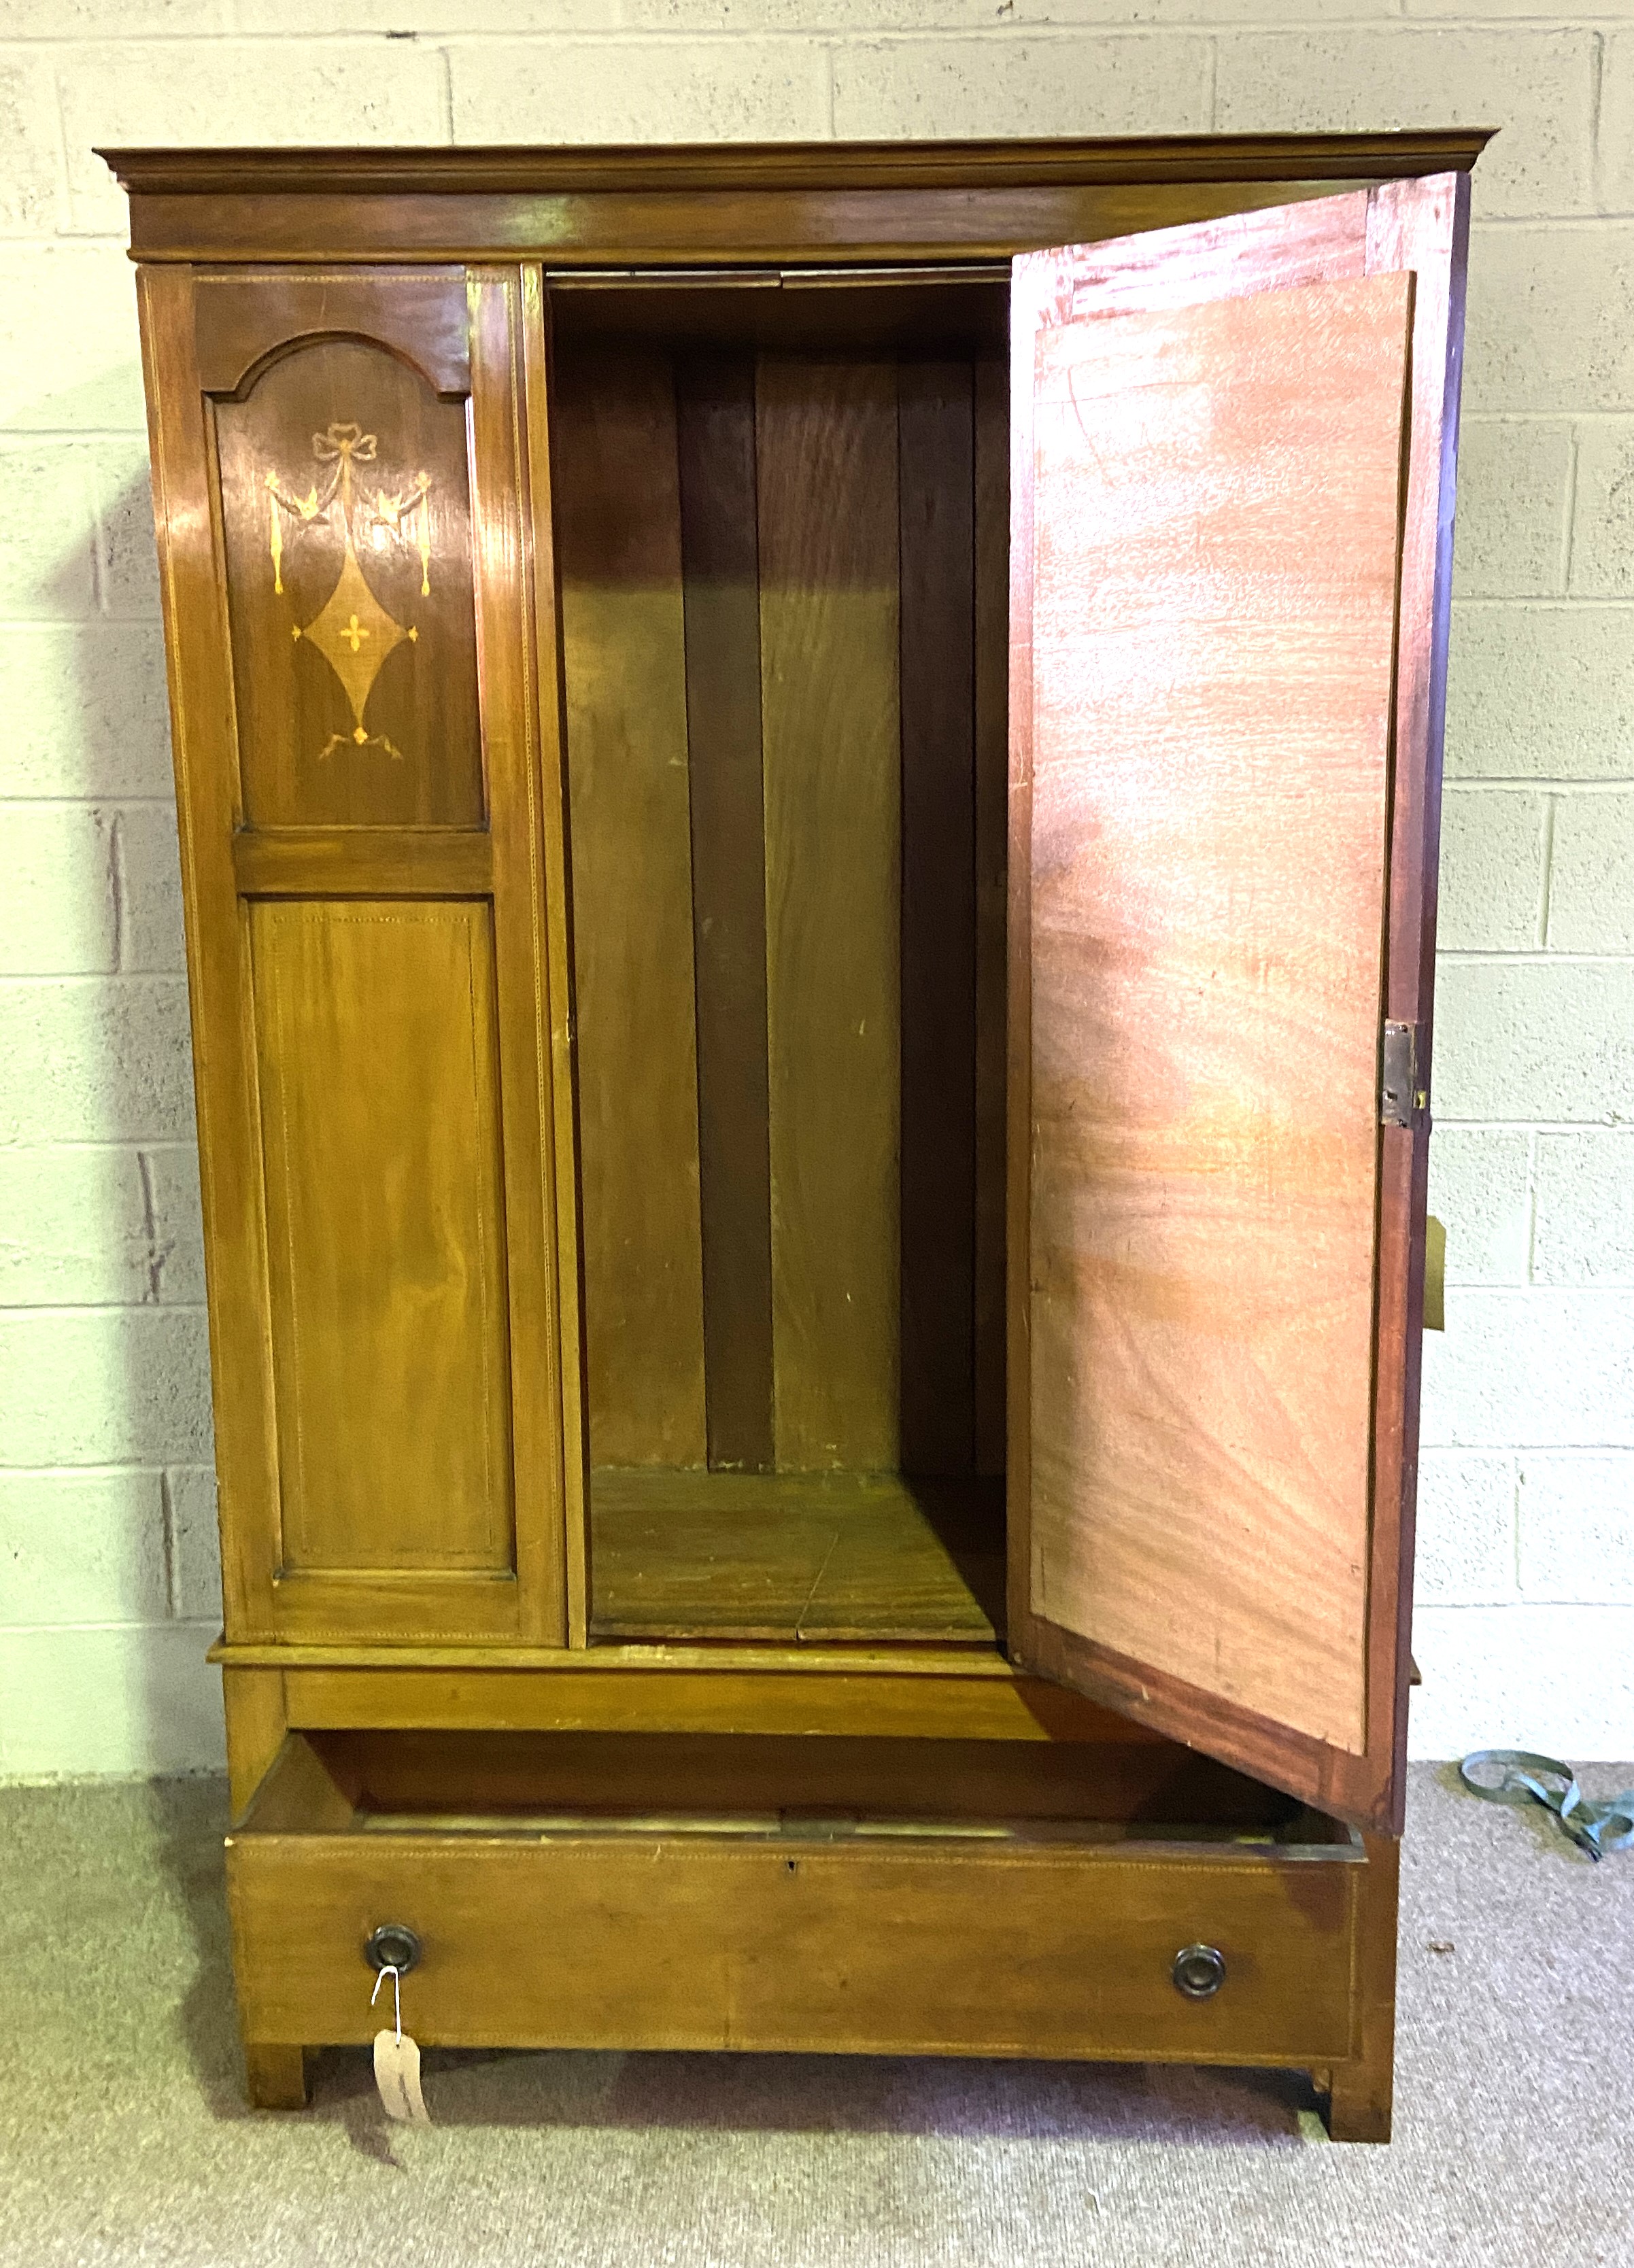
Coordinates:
[353,630]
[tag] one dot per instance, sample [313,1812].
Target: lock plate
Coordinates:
[392,1946]
[1198,1971]
[1401,1100]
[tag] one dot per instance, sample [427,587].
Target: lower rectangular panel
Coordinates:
[962,1935]
[446,1606]
[378,1068]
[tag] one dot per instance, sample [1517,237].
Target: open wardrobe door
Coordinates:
[1232,520]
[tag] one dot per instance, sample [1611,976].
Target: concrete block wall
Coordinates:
[107,1574]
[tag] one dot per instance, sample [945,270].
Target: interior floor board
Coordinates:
[795,1555]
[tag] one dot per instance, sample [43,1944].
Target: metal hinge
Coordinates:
[1401,1100]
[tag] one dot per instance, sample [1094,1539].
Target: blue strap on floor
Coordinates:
[1523,1778]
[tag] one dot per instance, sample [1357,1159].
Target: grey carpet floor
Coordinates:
[123,2136]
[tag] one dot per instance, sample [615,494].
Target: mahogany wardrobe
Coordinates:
[809,789]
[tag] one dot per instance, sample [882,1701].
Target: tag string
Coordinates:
[1523,1777]
[396,1975]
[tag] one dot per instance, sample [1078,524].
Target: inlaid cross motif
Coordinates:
[352,615]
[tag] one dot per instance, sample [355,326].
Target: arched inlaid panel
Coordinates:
[346,518]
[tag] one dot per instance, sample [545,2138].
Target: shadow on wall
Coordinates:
[109,1574]
[175,1695]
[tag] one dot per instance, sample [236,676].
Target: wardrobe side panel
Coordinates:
[340,500]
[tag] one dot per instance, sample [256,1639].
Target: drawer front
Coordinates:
[681,1940]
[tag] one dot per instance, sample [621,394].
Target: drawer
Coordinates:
[1040,1935]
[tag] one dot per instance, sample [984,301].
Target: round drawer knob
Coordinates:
[392,1946]
[1199,1971]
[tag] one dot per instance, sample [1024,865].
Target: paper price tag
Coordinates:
[397,2059]
[397,2075]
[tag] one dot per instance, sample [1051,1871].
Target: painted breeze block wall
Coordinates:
[108,1579]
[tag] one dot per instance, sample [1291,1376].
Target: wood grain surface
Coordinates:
[806,1558]
[555,1065]
[858,201]
[376,1048]
[1361,2091]
[1124,1780]
[275,2076]
[936,500]
[913,1692]
[242,320]
[829,612]
[360,1255]
[799,1944]
[356,862]
[1424,226]
[976,168]
[1236,256]
[420,761]
[1215,551]
[789,1939]
[715,410]
[821,518]
[525,903]
[253,1705]
[991,732]
[624,667]
[690,1940]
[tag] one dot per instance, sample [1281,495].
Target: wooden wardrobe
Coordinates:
[808,786]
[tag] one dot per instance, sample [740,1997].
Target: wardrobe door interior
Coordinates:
[1231,488]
